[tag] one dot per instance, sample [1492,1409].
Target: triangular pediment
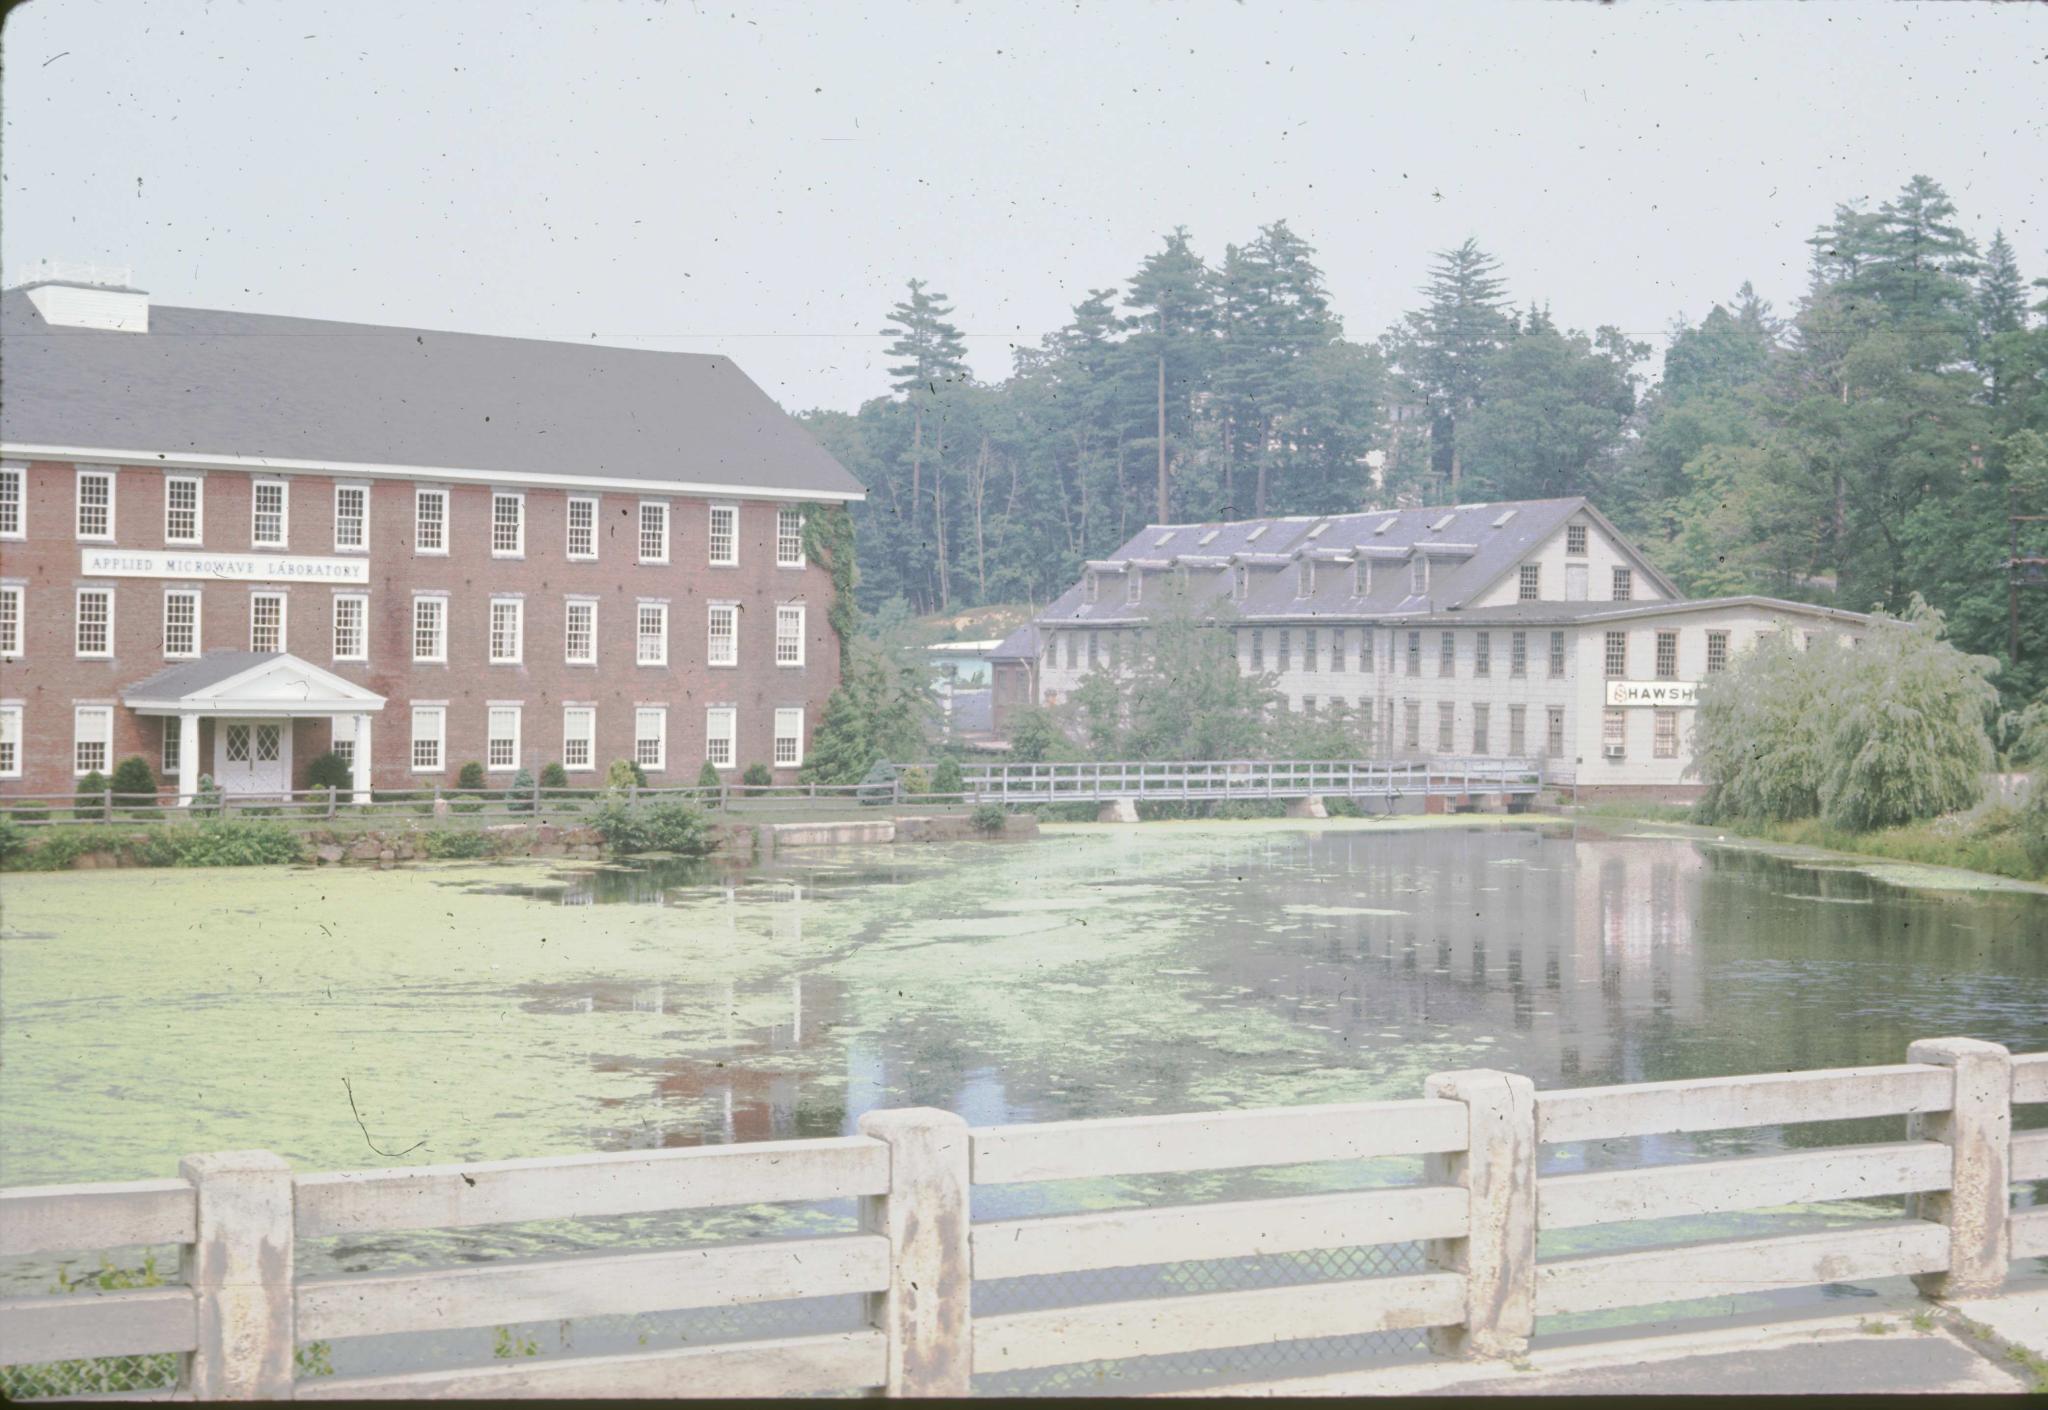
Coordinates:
[274,683]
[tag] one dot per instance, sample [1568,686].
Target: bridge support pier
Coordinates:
[1118,810]
[1309,807]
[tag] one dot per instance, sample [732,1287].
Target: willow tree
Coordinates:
[1759,733]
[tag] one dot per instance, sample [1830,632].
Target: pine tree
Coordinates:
[1174,298]
[1442,348]
[2001,293]
[933,356]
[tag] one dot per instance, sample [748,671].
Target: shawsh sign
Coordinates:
[229,567]
[1666,694]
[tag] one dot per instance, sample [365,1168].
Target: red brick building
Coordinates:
[230,542]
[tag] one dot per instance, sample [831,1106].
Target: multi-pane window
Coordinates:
[344,745]
[269,514]
[1518,729]
[351,627]
[1665,739]
[1134,586]
[1447,654]
[721,724]
[1418,575]
[650,737]
[429,729]
[1553,731]
[1482,654]
[1283,656]
[1072,647]
[1717,652]
[13,486]
[173,752]
[1308,705]
[430,521]
[181,622]
[508,524]
[1556,654]
[1337,651]
[579,635]
[351,517]
[95,622]
[266,621]
[579,737]
[508,630]
[1480,720]
[10,741]
[725,535]
[651,632]
[653,531]
[1361,578]
[1529,586]
[1667,656]
[182,523]
[789,634]
[582,527]
[1617,655]
[1305,578]
[1365,650]
[1575,539]
[1614,733]
[1308,649]
[789,737]
[95,504]
[430,629]
[724,648]
[1258,648]
[1446,726]
[1518,654]
[1411,724]
[501,741]
[10,621]
[92,738]
[789,539]
[1624,584]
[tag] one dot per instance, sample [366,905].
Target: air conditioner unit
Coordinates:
[1615,751]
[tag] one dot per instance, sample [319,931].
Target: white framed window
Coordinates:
[95,504]
[270,514]
[725,535]
[1575,539]
[266,621]
[582,527]
[92,738]
[508,524]
[10,741]
[789,634]
[501,741]
[579,738]
[351,518]
[653,531]
[579,633]
[789,737]
[789,538]
[1418,575]
[95,620]
[351,626]
[343,742]
[430,629]
[650,737]
[721,736]
[13,501]
[1624,584]
[429,735]
[508,630]
[184,516]
[11,602]
[1717,653]
[651,634]
[1614,733]
[430,521]
[173,751]
[725,635]
[1529,584]
[181,622]
[1665,737]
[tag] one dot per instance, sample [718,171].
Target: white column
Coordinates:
[188,759]
[363,759]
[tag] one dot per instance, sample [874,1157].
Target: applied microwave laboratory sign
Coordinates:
[1665,695]
[225,567]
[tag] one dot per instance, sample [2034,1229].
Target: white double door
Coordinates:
[252,756]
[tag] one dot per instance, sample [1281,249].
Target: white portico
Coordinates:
[252,697]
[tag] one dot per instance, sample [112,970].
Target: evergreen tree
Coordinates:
[932,359]
[1442,348]
[1172,326]
[2001,294]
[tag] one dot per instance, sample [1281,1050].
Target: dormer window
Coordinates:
[1441,524]
[1089,586]
[1134,585]
[1575,539]
[1254,534]
[1163,540]
[1502,521]
[1305,578]
[1317,531]
[1361,578]
[1418,576]
[1384,525]
[1208,538]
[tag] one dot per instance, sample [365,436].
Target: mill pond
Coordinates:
[349,1018]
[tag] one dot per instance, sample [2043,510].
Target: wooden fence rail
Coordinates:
[242,1312]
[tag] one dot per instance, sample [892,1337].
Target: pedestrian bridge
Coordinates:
[1228,779]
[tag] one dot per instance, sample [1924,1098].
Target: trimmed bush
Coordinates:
[521,790]
[625,773]
[470,776]
[708,777]
[29,812]
[553,776]
[758,776]
[134,779]
[946,777]
[13,839]
[330,770]
[658,827]
[987,818]
[90,798]
[915,780]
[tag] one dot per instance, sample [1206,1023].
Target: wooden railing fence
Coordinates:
[241,1312]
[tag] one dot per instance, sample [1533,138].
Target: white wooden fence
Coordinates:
[241,1312]
[1223,780]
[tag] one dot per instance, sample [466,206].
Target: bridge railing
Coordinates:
[1214,780]
[241,1314]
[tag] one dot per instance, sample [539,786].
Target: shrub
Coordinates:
[455,843]
[470,776]
[915,780]
[708,777]
[13,839]
[457,803]
[29,812]
[209,794]
[330,770]
[757,776]
[656,827]
[521,790]
[554,776]
[987,818]
[878,784]
[133,778]
[946,777]
[625,773]
[91,795]
[219,843]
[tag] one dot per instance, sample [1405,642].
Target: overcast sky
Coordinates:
[761,183]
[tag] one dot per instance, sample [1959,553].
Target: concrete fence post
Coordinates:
[1978,1129]
[925,1311]
[240,1271]
[1498,1253]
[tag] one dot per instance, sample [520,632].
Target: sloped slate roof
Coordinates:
[212,382]
[187,677]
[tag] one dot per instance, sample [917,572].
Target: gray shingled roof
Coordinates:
[1020,645]
[177,682]
[211,382]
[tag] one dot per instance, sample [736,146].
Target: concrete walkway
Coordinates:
[1893,1346]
